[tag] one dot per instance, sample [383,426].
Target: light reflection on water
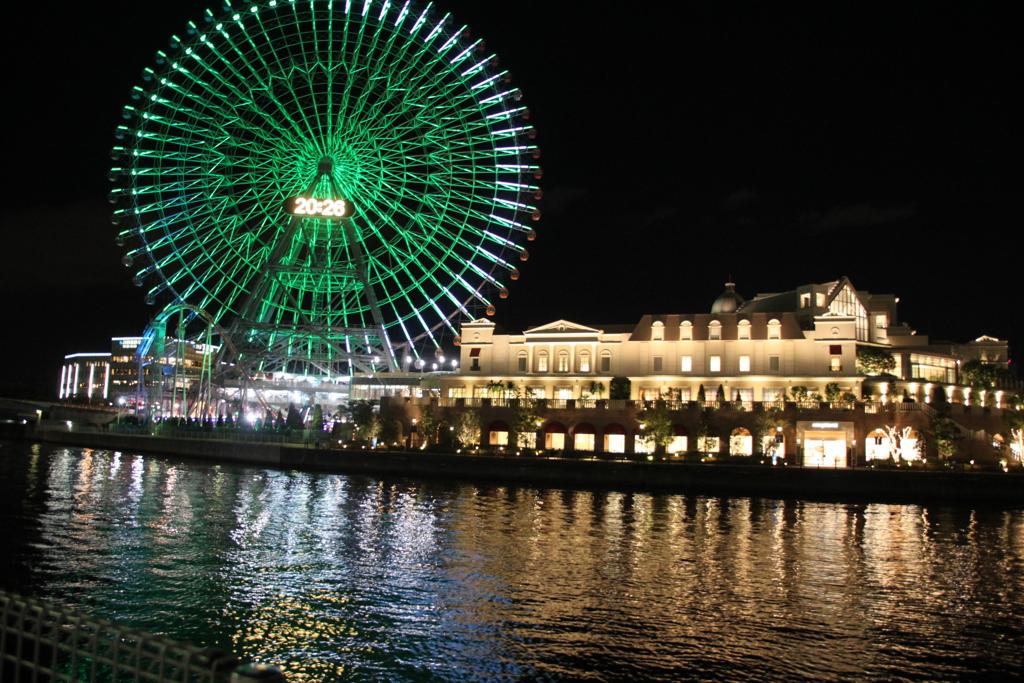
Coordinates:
[353,578]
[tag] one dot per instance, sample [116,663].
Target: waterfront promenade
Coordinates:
[860,484]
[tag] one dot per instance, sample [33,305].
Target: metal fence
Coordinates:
[43,642]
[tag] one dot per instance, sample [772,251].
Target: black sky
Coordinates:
[681,146]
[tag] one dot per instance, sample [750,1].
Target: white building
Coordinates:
[799,346]
[756,350]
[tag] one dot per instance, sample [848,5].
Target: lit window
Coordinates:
[820,303]
[658,360]
[456,392]
[563,393]
[836,364]
[881,321]
[715,364]
[805,301]
[686,330]
[542,361]
[744,329]
[774,329]
[744,363]
[585,362]
[715,330]
[773,363]
[606,361]
[563,361]
[687,364]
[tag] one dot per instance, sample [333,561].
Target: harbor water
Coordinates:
[355,578]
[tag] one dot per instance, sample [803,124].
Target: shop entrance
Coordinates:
[824,449]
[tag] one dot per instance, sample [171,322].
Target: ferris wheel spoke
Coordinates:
[426,141]
[236,102]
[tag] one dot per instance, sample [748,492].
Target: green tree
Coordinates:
[294,420]
[765,424]
[832,392]
[1013,415]
[595,389]
[525,419]
[720,397]
[467,427]
[704,430]
[427,424]
[946,436]
[847,397]
[317,423]
[872,360]
[390,429]
[979,375]
[365,422]
[432,383]
[701,395]
[657,425]
[619,388]
[799,393]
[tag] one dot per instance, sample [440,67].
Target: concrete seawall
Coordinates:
[899,485]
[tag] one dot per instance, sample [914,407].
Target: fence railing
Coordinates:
[44,642]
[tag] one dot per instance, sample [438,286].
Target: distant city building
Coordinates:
[113,376]
[85,376]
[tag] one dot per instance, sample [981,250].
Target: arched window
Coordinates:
[606,361]
[744,329]
[584,361]
[685,330]
[774,329]
[714,330]
[563,361]
[658,331]
[542,361]
[521,360]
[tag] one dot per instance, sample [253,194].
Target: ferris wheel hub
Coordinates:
[325,165]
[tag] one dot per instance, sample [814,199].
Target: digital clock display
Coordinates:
[320,208]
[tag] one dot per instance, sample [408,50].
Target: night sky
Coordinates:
[681,147]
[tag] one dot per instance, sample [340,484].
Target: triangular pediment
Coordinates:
[561,327]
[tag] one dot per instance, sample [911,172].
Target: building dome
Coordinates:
[729,301]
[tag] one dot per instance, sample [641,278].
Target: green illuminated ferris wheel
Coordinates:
[329,180]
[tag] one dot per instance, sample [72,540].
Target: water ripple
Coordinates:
[358,579]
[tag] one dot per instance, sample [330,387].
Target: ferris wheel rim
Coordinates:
[413,278]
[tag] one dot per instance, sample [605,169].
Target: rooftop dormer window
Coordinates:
[658,331]
[715,330]
[686,330]
[744,329]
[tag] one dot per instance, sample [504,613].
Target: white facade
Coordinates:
[756,350]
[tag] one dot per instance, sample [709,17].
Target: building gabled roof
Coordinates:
[562,327]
